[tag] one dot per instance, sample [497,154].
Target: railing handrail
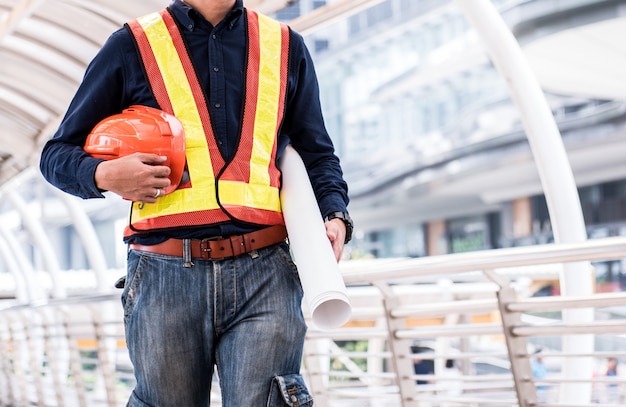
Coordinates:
[608,248]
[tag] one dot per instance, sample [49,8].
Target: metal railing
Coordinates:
[473,308]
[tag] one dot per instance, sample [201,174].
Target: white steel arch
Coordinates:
[556,177]
[21,285]
[23,269]
[40,241]
[88,237]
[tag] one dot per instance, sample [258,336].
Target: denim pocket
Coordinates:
[285,257]
[285,253]
[135,271]
[289,391]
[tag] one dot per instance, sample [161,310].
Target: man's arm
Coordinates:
[104,91]
[63,161]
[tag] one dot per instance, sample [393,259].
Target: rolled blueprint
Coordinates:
[324,289]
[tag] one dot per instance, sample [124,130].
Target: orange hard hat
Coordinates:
[141,129]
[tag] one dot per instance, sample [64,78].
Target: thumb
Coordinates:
[331,233]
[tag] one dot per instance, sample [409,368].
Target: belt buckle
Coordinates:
[208,253]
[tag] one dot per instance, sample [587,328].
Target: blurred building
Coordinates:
[432,145]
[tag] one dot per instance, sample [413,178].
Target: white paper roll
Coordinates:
[324,289]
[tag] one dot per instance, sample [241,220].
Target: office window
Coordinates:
[378,13]
[321,45]
[289,13]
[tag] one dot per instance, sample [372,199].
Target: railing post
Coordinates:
[518,351]
[375,364]
[315,368]
[5,338]
[54,354]
[18,346]
[106,365]
[32,331]
[400,348]
[516,345]
[75,362]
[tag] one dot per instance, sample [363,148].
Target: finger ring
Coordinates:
[157,193]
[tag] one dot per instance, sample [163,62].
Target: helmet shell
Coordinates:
[141,129]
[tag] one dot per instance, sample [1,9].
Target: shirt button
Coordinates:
[214,36]
[216,69]
[218,105]
[190,26]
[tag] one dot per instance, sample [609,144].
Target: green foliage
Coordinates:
[349,346]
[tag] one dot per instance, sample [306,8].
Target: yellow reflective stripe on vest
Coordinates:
[268,97]
[185,109]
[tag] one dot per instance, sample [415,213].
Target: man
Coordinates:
[209,280]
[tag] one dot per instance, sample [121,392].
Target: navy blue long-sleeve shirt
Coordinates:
[115,79]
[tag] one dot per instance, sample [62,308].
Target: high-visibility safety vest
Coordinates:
[247,187]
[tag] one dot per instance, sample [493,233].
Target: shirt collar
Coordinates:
[189,18]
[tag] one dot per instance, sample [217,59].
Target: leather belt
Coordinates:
[221,248]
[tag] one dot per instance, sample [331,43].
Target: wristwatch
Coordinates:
[346,220]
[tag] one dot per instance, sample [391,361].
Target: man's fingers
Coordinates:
[152,159]
[156,162]
[337,249]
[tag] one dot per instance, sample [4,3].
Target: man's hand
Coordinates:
[136,177]
[336,232]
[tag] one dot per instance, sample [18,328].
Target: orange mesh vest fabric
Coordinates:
[246,188]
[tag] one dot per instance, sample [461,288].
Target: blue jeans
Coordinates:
[241,314]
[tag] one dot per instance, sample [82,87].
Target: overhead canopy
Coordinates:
[586,61]
[45,46]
